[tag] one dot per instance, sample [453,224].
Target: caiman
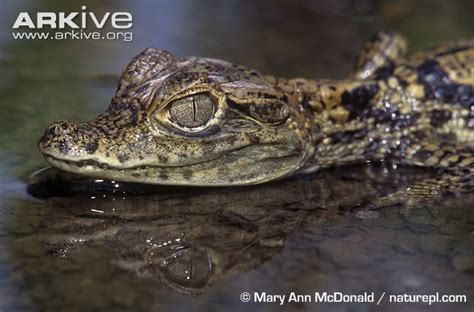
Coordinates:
[207,122]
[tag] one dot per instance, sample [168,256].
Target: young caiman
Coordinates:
[207,122]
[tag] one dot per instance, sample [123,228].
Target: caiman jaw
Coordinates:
[210,173]
[267,155]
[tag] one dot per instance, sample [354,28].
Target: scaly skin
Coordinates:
[198,121]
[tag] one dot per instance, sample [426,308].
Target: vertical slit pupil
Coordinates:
[192,111]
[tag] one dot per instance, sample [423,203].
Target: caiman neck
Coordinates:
[332,112]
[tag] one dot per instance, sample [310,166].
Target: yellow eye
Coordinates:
[192,111]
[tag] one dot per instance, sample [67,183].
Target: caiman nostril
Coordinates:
[63,127]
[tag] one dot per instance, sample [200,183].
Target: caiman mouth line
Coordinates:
[93,163]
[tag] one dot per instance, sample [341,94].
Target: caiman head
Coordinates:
[189,121]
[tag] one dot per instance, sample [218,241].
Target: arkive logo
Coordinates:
[73,20]
[81,25]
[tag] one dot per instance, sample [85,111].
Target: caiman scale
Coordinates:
[207,122]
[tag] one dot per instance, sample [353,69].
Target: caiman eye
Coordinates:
[192,111]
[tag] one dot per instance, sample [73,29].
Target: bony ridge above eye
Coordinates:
[192,111]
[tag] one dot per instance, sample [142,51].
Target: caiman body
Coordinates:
[207,122]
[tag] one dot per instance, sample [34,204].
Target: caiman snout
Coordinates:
[62,129]
[67,138]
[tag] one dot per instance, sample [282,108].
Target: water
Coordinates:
[66,243]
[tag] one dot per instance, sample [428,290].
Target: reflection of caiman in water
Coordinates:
[190,237]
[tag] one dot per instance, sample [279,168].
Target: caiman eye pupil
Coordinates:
[192,111]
